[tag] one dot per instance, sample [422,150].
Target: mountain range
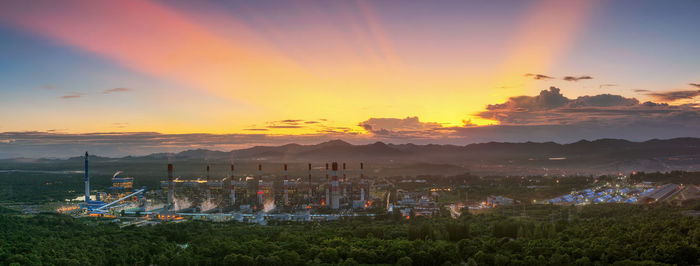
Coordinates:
[684,151]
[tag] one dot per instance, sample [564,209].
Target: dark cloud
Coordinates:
[671,96]
[285,123]
[551,116]
[400,128]
[468,123]
[550,107]
[602,100]
[116,90]
[293,123]
[607,85]
[538,76]
[256,129]
[397,124]
[338,130]
[285,126]
[694,84]
[572,78]
[546,100]
[641,91]
[73,95]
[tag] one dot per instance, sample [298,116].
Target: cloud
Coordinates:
[73,95]
[47,87]
[289,123]
[671,96]
[468,123]
[116,90]
[572,78]
[285,126]
[550,107]
[538,76]
[641,90]
[548,116]
[397,124]
[694,84]
[400,128]
[607,85]
[546,100]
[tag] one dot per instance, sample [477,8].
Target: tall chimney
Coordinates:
[362,184]
[335,198]
[260,184]
[207,172]
[87,182]
[327,187]
[310,187]
[286,182]
[208,184]
[344,173]
[344,184]
[171,187]
[233,185]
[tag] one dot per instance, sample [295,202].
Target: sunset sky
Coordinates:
[170,75]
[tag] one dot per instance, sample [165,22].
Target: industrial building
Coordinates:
[642,193]
[493,201]
[120,196]
[660,193]
[266,193]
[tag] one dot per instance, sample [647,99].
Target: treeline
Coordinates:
[680,177]
[593,235]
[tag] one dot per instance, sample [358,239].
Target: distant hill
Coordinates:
[603,156]
[599,150]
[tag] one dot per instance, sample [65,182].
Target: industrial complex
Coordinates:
[239,197]
[259,198]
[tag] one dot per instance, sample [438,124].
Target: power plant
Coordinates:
[266,193]
[234,196]
[118,197]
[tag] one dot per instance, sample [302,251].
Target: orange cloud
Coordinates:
[154,39]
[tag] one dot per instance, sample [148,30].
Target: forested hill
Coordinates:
[592,235]
[603,148]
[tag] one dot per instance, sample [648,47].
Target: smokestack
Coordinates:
[260,183]
[344,173]
[327,186]
[335,200]
[87,181]
[171,187]
[362,184]
[208,185]
[310,187]
[344,184]
[233,185]
[286,182]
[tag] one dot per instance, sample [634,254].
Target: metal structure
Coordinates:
[335,196]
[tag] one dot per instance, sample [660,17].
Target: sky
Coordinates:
[133,77]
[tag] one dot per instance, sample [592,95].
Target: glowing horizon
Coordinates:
[178,67]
